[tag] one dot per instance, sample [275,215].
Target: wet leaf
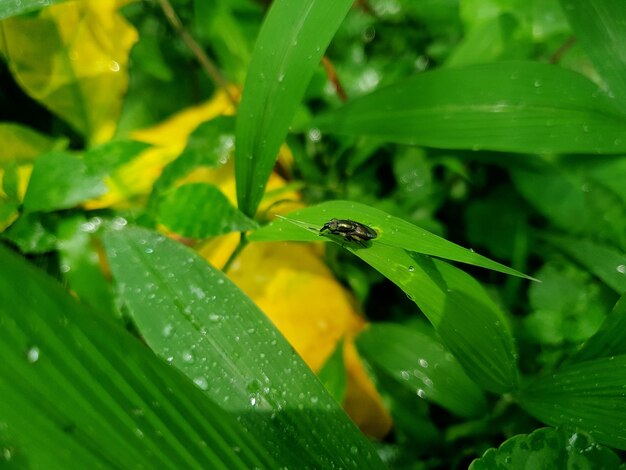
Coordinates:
[423,365]
[333,374]
[72,58]
[527,107]
[193,316]
[546,449]
[79,391]
[289,47]
[588,395]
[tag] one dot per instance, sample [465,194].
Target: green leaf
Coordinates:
[10,8]
[588,395]
[509,106]
[599,27]
[547,449]
[80,264]
[392,231]
[423,365]
[333,373]
[21,143]
[200,210]
[9,211]
[61,180]
[610,340]
[32,233]
[469,323]
[108,157]
[80,392]
[605,262]
[289,47]
[193,316]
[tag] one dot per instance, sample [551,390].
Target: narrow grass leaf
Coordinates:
[193,316]
[80,392]
[423,365]
[303,225]
[289,47]
[10,8]
[599,27]
[527,107]
[333,374]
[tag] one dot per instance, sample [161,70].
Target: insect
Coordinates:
[350,230]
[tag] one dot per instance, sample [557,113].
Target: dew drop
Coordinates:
[32,355]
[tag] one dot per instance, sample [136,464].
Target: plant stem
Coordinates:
[205,61]
[243,241]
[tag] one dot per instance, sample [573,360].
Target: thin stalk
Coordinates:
[205,61]
[243,241]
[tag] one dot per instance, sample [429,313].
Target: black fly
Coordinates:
[350,230]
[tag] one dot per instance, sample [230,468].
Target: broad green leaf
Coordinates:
[107,157]
[588,395]
[610,340]
[10,8]
[509,106]
[423,365]
[605,262]
[80,392]
[599,26]
[21,143]
[61,180]
[289,47]
[392,231]
[333,374]
[72,58]
[193,316]
[548,449]
[200,210]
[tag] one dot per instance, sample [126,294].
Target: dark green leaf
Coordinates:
[605,262]
[610,340]
[333,374]
[423,365]
[526,107]
[588,395]
[599,26]
[79,392]
[200,210]
[193,316]
[61,180]
[548,449]
[291,43]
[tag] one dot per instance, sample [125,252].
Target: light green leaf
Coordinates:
[289,47]
[588,395]
[333,373]
[547,449]
[10,8]
[605,262]
[80,392]
[193,316]
[610,339]
[526,107]
[392,231]
[200,210]
[61,180]
[599,27]
[21,143]
[423,365]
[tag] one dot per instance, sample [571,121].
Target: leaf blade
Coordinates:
[290,45]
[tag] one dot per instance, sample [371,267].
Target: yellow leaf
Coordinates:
[73,58]
[169,139]
[297,291]
[21,143]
